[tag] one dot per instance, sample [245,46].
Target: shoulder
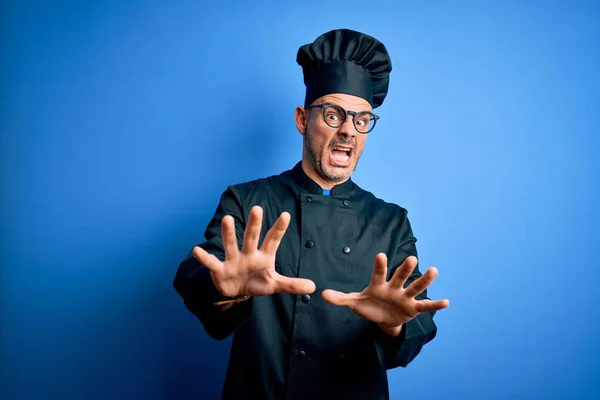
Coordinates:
[374,205]
[260,186]
[387,219]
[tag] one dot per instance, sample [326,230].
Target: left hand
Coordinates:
[389,304]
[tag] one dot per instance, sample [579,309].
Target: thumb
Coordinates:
[339,298]
[294,285]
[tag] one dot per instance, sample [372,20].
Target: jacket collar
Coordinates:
[304,181]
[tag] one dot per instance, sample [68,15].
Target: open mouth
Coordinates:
[340,155]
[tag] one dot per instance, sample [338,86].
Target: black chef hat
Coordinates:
[345,61]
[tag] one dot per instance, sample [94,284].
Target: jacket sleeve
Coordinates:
[401,350]
[193,281]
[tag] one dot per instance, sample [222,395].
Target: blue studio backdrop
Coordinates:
[123,121]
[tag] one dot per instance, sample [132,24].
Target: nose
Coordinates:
[347,130]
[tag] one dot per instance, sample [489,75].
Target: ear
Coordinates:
[301,119]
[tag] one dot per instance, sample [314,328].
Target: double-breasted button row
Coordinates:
[309,244]
[345,202]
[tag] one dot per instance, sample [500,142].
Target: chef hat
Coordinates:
[345,61]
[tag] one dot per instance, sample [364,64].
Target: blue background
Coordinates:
[122,122]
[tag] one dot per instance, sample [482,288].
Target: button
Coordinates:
[346,250]
[299,353]
[308,198]
[309,244]
[306,298]
[346,203]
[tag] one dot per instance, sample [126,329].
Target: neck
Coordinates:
[325,183]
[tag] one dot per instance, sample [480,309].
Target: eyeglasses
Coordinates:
[335,116]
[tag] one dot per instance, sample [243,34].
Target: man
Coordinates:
[296,265]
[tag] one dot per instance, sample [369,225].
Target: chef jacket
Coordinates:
[299,346]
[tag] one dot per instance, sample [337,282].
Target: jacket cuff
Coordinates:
[401,350]
[199,293]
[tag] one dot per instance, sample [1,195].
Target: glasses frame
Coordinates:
[346,112]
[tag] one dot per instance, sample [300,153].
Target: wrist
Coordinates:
[231,300]
[392,331]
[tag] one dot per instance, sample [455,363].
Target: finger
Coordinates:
[275,234]
[430,305]
[403,272]
[230,243]
[339,298]
[252,233]
[419,285]
[208,260]
[379,270]
[294,285]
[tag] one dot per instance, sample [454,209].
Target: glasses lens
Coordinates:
[364,122]
[334,116]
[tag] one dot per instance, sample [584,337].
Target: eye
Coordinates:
[333,117]
[363,120]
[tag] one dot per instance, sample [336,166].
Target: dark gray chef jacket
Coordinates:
[298,346]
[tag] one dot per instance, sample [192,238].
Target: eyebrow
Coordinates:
[339,105]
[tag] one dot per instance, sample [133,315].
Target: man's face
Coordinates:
[333,153]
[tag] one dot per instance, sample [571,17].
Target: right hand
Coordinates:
[251,271]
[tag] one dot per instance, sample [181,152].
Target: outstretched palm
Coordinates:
[389,303]
[251,271]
